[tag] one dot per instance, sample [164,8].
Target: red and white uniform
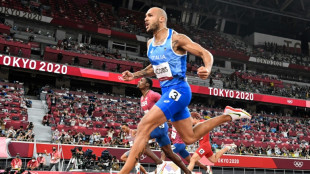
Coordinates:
[204,146]
[130,137]
[175,137]
[16,163]
[55,157]
[149,100]
[41,160]
[32,164]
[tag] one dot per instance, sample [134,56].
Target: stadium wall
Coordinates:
[26,150]
[55,68]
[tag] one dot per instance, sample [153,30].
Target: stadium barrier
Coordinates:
[26,149]
[56,68]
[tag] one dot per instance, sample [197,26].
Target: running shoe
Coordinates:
[230,146]
[137,167]
[161,167]
[209,171]
[236,113]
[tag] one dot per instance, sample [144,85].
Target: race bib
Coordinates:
[163,71]
[201,151]
[173,135]
[175,95]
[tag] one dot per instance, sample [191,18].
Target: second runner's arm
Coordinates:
[146,72]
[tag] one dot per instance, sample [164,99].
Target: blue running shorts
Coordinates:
[174,101]
[181,149]
[161,135]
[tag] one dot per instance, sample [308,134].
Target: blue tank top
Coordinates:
[169,67]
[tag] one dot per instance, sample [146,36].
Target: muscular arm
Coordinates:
[146,72]
[185,43]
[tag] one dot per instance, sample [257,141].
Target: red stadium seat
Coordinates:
[257,138]
[237,142]
[264,144]
[258,143]
[246,143]
[133,126]
[89,131]
[228,141]
[103,131]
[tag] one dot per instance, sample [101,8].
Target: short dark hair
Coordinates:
[125,124]
[149,81]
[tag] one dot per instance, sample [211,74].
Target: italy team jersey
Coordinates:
[169,67]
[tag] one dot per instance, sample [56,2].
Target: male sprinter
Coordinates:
[180,148]
[130,136]
[204,148]
[167,52]
[147,101]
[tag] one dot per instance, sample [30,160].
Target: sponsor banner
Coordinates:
[245,161]
[23,14]
[26,148]
[114,77]
[278,63]
[269,62]
[263,162]
[227,93]
[35,65]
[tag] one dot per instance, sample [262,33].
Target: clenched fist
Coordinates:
[203,72]
[127,76]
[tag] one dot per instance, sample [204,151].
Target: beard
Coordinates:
[154,27]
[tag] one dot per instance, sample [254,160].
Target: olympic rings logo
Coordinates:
[143,157]
[120,78]
[290,101]
[298,164]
